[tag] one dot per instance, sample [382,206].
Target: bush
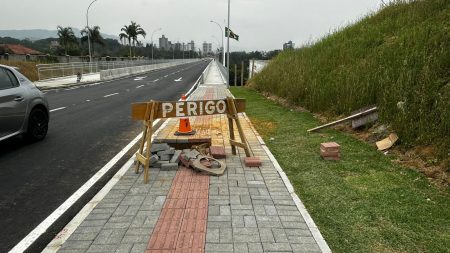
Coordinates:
[28,69]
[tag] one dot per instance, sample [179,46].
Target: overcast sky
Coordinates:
[261,24]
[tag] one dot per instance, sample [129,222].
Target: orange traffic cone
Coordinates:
[184,127]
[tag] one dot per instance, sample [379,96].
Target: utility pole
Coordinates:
[159,29]
[222,34]
[89,34]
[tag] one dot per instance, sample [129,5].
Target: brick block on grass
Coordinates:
[252,162]
[330,146]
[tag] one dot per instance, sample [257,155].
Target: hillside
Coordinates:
[39,34]
[397,59]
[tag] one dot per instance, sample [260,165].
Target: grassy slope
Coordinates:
[363,203]
[400,54]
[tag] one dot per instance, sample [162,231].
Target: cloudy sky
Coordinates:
[261,24]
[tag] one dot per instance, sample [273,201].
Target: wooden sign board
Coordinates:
[186,108]
[150,111]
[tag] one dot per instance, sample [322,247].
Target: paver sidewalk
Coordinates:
[245,210]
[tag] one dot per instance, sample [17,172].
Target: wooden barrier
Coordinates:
[150,111]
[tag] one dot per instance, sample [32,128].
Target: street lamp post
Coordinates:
[89,33]
[159,29]
[221,35]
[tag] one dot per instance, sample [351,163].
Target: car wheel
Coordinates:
[37,125]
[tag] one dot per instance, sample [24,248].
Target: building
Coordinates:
[191,46]
[207,48]
[178,46]
[18,50]
[288,45]
[163,43]
[54,44]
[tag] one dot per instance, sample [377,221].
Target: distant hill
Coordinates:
[38,34]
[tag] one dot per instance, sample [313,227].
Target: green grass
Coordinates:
[363,203]
[400,54]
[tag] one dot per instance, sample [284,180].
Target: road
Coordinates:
[89,125]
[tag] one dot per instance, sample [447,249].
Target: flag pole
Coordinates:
[228,45]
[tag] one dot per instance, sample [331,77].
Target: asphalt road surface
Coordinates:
[89,125]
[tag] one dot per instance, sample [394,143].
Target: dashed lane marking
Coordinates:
[110,95]
[57,109]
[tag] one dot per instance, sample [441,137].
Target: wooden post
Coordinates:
[242,73]
[233,115]
[235,74]
[253,68]
[150,114]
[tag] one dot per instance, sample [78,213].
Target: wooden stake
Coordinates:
[235,74]
[150,114]
[234,116]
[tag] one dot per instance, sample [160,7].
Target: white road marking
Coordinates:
[87,100]
[43,226]
[140,78]
[166,75]
[140,86]
[179,79]
[70,228]
[110,95]
[156,80]
[57,109]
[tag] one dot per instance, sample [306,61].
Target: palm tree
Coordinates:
[95,36]
[66,37]
[131,33]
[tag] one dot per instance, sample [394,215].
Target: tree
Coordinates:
[95,36]
[131,33]
[66,37]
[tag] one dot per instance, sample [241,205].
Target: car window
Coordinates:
[12,77]
[21,77]
[5,80]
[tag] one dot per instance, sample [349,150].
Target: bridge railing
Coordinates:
[58,70]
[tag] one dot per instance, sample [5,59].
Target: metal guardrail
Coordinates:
[58,70]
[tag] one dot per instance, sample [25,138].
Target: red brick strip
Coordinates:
[181,226]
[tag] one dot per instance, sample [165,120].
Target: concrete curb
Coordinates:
[300,206]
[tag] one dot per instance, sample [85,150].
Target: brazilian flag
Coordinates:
[231,34]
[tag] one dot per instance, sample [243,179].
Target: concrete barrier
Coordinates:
[129,71]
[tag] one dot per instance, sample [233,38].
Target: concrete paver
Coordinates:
[248,209]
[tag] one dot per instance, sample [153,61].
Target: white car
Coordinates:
[23,107]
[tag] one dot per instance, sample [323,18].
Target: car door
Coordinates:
[13,103]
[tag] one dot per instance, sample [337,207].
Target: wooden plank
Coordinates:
[358,115]
[236,143]
[173,109]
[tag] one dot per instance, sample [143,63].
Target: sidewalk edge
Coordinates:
[323,245]
[70,228]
